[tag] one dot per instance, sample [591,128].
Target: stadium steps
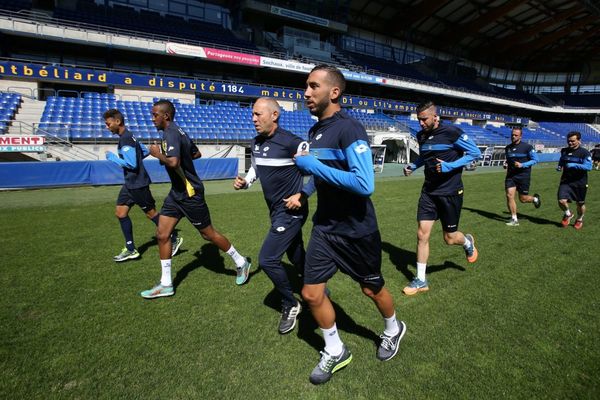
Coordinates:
[28,115]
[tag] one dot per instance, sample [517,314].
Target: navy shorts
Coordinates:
[360,258]
[521,182]
[142,197]
[574,193]
[445,208]
[193,208]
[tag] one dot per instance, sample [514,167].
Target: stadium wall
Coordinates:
[32,175]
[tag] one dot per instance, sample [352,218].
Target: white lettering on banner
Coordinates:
[22,149]
[6,140]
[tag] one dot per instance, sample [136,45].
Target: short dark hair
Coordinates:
[425,105]
[114,113]
[517,128]
[574,133]
[169,107]
[335,75]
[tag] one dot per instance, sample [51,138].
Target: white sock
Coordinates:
[237,257]
[514,217]
[467,242]
[567,213]
[580,218]
[391,326]
[165,279]
[421,268]
[333,343]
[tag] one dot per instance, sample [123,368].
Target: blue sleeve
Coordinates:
[145,151]
[129,157]
[470,150]
[417,164]
[586,165]
[359,179]
[309,187]
[110,156]
[533,159]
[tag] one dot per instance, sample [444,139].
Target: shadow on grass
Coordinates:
[403,258]
[503,218]
[400,258]
[153,242]
[210,258]
[307,327]
[309,332]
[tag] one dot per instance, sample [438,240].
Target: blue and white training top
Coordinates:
[575,165]
[523,153]
[273,163]
[451,145]
[129,157]
[342,166]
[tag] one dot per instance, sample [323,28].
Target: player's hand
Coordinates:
[559,168]
[438,166]
[505,165]
[295,201]
[518,164]
[300,154]
[154,149]
[239,183]
[408,170]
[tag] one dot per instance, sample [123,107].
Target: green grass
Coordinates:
[523,322]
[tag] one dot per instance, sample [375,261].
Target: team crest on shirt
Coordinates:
[361,148]
[171,148]
[127,148]
[318,136]
[465,137]
[280,229]
[430,137]
[256,147]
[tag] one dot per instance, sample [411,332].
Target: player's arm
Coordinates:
[359,179]
[533,159]
[470,153]
[195,151]
[170,159]
[249,179]
[128,161]
[585,165]
[409,168]
[145,151]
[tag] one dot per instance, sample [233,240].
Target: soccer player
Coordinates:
[282,183]
[575,162]
[186,198]
[595,152]
[345,233]
[520,157]
[136,189]
[444,151]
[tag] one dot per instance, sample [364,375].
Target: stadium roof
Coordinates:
[535,35]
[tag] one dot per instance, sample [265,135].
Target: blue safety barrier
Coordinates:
[29,175]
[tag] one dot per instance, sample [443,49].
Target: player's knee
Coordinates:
[162,235]
[370,291]
[312,295]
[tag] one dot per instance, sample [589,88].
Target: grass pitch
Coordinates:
[523,322]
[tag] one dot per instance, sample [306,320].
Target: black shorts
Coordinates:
[142,197]
[360,258]
[193,208]
[445,208]
[520,182]
[574,193]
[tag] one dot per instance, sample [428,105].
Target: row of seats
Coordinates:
[9,103]
[81,119]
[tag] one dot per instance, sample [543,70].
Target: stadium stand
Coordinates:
[9,103]
[123,17]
